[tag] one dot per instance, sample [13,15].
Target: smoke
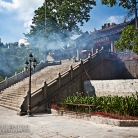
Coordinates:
[53,43]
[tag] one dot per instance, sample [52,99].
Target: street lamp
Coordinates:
[29,67]
[45,32]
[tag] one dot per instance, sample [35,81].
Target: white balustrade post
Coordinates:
[6,82]
[16,76]
[89,59]
[81,65]
[78,58]
[97,51]
[102,48]
[92,50]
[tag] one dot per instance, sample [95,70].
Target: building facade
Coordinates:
[105,39]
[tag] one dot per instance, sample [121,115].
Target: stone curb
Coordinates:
[100,120]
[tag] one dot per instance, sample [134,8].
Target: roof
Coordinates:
[102,34]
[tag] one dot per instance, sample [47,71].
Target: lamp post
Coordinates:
[45,32]
[30,66]
[135,10]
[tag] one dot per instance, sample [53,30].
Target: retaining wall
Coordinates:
[111,87]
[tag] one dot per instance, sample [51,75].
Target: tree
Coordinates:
[62,19]
[128,4]
[128,39]
[129,36]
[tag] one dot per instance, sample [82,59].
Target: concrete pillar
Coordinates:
[92,50]
[71,72]
[78,57]
[6,81]
[81,65]
[112,47]
[16,76]
[45,90]
[59,80]
[89,58]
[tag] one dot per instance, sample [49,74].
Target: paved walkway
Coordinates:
[54,126]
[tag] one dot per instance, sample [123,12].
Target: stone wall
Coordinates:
[101,66]
[132,67]
[111,87]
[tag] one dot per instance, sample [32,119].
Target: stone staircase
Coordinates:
[13,96]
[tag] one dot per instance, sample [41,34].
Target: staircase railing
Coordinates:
[67,78]
[19,76]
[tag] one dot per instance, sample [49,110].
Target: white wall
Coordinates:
[111,87]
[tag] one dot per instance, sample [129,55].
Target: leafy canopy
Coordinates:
[124,3]
[128,39]
[62,19]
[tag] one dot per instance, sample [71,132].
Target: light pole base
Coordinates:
[30,115]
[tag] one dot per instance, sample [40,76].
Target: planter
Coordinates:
[54,111]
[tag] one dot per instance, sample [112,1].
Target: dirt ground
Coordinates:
[54,126]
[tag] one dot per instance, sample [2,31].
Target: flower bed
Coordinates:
[54,106]
[115,116]
[108,106]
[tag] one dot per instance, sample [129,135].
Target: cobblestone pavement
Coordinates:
[54,126]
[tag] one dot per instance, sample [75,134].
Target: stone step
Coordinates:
[10,101]
[10,107]
[10,92]
[10,104]
[15,92]
[10,98]
[13,96]
[17,88]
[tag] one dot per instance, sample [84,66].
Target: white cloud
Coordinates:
[115,19]
[24,9]
[20,5]
[8,5]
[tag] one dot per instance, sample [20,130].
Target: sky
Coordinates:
[16,18]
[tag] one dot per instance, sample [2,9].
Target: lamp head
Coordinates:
[34,62]
[26,65]
[31,57]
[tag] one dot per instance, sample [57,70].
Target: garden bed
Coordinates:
[115,116]
[121,108]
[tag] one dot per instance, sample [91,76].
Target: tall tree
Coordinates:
[128,39]
[60,20]
[128,4]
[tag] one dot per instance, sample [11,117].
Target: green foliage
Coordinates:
[124,106]
[124,3]
[1,78]
[62,20]
[128,39]
[129,5]
[64,14]
[12,59]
